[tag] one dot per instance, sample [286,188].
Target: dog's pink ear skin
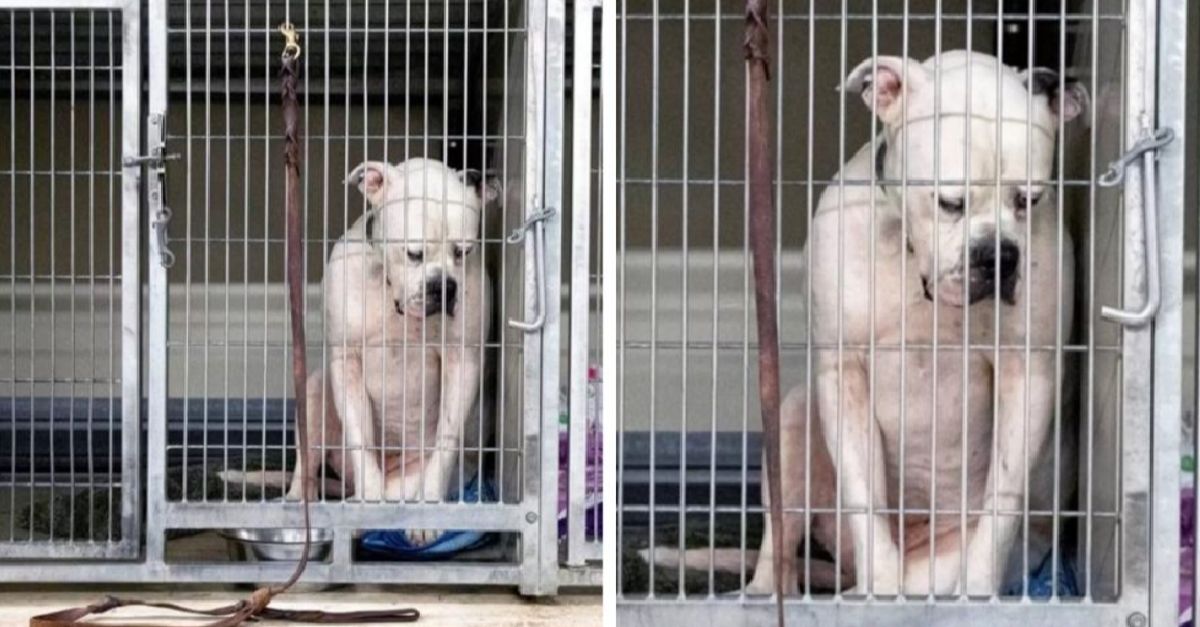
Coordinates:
[492,191]
[371,179]
[1068,98]
[884,82]
[1073,102]
[489,189]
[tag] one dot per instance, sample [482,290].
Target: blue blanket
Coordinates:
[394,544]
[1041,580]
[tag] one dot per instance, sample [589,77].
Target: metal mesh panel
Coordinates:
[689,472]
[382,81]
[63,487]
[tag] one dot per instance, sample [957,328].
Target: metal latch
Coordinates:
[536,222]
[1146,148]
[159,223]
[155,143]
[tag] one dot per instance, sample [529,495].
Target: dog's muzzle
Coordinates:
[441,294]
[987,268]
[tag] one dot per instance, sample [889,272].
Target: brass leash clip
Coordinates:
[291,47]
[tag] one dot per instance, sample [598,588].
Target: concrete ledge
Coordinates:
[437,606]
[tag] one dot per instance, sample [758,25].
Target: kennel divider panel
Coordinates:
[74,32]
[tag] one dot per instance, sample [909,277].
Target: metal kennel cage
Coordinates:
[146,405]
[688,464]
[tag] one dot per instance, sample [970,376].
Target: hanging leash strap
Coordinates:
[762,244]
[257,606]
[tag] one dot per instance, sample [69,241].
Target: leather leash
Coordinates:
[257,606]
[762,244]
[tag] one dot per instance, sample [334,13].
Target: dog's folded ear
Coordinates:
[371,177]
[883,82]
[1068,97]
[488,188]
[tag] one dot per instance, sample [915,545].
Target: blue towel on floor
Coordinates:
[394,544]
[1040,580]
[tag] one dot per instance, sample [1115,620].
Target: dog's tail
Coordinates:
[726,560]
[274,479]
[822,574]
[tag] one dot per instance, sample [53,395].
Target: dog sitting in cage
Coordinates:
[960,239]
[407,308]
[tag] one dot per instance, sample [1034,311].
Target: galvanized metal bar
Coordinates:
[581,239]
[820,612]
[716,217]
[92,352]
[158,295]
[610,297]
[1136,492]
[810,211]
[194,515]
[964,425]
[131,283]
[53,270]
[1089,486]
[1169,46]
[550,355]
[620,162]
[536,457]
[12,279]
[652,409]
[683,332]
[444,573]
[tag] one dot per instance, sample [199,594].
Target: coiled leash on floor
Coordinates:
[257,606]
[762,245]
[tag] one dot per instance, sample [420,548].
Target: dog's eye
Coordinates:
[950,205]
[416,256]
[1027,201]
[461,252]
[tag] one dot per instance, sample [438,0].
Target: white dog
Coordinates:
[994,244]
[407,307]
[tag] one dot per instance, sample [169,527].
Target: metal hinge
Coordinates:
[156,144]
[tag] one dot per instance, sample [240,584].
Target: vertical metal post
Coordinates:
[542,175]
[1138,464]
[131,285]
[581,239]
[1169,100]
[608,196]
[156,384]
[552,185]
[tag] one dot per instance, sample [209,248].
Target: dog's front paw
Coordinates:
[919,581]
[422,537]
[371,488]
[982,581]
[764,584]
[433,488]
[883,585]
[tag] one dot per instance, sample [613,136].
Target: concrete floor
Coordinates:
[438,607]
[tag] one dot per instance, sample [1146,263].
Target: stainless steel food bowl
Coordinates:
[277,545]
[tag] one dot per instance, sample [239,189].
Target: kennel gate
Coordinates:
[685,403]
[476,84]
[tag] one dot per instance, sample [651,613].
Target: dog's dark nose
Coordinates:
[984,265]
[441,294]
